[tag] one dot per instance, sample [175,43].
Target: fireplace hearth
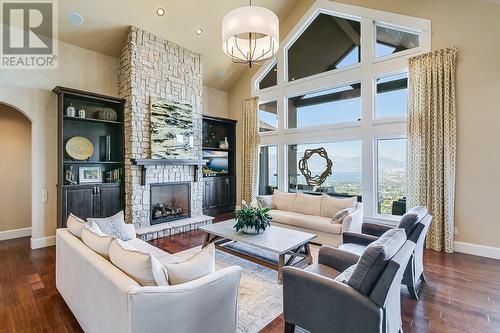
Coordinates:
[170,202]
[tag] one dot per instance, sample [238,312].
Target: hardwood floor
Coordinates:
[29,301]
[462,293]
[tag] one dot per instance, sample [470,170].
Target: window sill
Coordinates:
[289,82]
[268,133]
[400,54]
[323,127]
[389,120]
[388,220]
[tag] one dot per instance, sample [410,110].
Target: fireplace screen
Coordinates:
[170,201]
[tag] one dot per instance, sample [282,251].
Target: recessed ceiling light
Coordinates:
[160,11]
[199,31]
[75,18]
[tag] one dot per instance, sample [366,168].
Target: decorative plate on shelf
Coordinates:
[79,148]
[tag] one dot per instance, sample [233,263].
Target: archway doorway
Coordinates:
[15,173]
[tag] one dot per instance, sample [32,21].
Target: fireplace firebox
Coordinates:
[170,202]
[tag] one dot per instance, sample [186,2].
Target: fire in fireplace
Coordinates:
[170,201]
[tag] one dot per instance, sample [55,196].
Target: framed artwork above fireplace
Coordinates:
[172,134]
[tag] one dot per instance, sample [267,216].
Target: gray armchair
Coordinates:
[349,293]
[416,223]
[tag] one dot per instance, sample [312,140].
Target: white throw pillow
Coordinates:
[283,200]
[332,205]
[97,241]
[201,264]
[75,225]
[140,266]
[264,201]
[307,204]
[114,225]
[341,215]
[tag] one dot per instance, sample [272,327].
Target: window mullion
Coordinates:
[367,107]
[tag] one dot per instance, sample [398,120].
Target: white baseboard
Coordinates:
[478,250]
[38,243]
[15,233]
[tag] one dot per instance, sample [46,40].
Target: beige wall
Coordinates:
[474,27]
[30,92]
[15,169]
[215,102]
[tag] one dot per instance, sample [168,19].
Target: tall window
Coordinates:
[329,42]
[346,175]
[330,106]
[391,178]
[390,40]
[270,79]
[268,117]
[392,96]
[343,86]
[268,169]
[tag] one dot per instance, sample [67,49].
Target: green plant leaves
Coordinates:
[254,218]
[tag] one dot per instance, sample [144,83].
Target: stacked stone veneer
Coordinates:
[152,67]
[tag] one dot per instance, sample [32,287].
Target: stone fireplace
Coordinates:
[152,67]
[170,202]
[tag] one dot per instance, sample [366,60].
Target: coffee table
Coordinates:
[291,246]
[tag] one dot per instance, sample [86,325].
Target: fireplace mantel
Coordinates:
[145,162]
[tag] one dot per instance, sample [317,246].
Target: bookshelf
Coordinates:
[78,193]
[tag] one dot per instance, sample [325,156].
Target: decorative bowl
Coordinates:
[107,114]
[79,148]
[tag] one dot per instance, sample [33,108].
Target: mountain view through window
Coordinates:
[346,171]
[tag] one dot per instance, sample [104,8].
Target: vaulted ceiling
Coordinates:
[106,22]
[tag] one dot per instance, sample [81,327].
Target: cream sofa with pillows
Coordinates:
[323,215]
[140,296]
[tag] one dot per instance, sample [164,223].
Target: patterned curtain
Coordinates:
[432,142]
[250,151]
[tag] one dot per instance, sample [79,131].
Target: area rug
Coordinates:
[260,295]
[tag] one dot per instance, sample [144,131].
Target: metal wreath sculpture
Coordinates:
[317,180]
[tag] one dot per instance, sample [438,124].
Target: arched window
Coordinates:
[339,81]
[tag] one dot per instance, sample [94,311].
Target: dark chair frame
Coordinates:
[319,303]
[414,273]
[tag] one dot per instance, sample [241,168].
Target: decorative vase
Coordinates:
[107,114]
[70,110]
[226,143]
[81,113]
[251,230]
[222,145]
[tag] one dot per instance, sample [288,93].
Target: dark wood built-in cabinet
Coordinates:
[99,200]
[219,194]
[102,198]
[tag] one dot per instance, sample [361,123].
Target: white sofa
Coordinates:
[314,213]
[104,299]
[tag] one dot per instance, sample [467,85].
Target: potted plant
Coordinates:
[252,220]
